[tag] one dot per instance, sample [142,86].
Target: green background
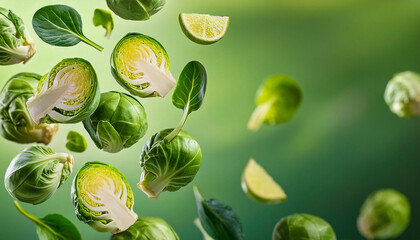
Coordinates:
[342,144]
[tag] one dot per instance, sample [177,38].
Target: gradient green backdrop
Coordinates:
[342,144]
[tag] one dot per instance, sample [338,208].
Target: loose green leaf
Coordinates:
[103,18]
[76,142]
[60,25]
[52,226]
[218,219]
[189,92]
[197,223]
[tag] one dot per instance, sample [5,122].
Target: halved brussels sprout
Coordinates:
[168,166]
[303,226]
[135,9]
[402,94]
[140,64]
[118,122]
[384,214]
[69,93]
[34,175]
[103,198]
[15,43]
[146,228]
[15,122]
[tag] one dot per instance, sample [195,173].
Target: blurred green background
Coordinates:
[342,144]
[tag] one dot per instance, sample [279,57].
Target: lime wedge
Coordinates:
[260,186]
[203,28]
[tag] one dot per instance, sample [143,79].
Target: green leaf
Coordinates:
[52,226]
[76,142]
[111,140]
[189,92]
[218,219]
[103,18]
[60,25]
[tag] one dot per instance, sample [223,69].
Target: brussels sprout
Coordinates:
[69,93]
[34,175]
[168,166]
[384,214]
[135,9]
[402,94]
[76,142]
[303,226]
[146,228]
[119,122]
[278,99]
[140,64]
[15,122]
[103,198]
[15,43]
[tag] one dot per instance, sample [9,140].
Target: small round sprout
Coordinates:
[140,64]
[402,94]
[34,175]
[15,122]
[146,228]
[118,122]
[303,226]
[69,93]
[135,9]
[384,214]
[168,166]
[103,198]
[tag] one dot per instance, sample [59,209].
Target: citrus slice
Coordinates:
[203,28]
[260,186]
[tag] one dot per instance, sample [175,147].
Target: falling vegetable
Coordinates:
[147,228]
[76,142]
[135,9]
[103,18]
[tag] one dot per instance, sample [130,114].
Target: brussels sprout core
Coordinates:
[141,65]
[68,94]
[103,198]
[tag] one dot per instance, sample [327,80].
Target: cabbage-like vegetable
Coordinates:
[76,142]
[278,99]
[402,94]
[140,64]
[34,175]
[384,214]
[135,9]
[146,228]
[103,198]
[118,123]
[69,93]
[303,226]
[15,122]
[168,166]
[15,43]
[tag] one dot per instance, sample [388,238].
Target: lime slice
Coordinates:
[203,28]
[260,186]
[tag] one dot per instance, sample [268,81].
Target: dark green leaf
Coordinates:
[76,142]
[218,219]
[52,226]
[60,25]
[103,18]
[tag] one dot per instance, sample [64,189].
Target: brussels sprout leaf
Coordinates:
[200,227]
[52,226]
[103,18]
[110,139]
[218,219]
[76,142]
[60,25]
[189,92]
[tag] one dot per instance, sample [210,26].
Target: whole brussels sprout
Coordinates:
[402,94]
[118,122]
[103,198]
[384,214]
[69,93]
[34,175]
[140,64]
[15,43]
[303,226]
[146,228]
[135,9]
[168,166]
[15,122]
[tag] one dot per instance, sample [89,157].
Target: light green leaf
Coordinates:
[103,18]
[111,140]
[76,142]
